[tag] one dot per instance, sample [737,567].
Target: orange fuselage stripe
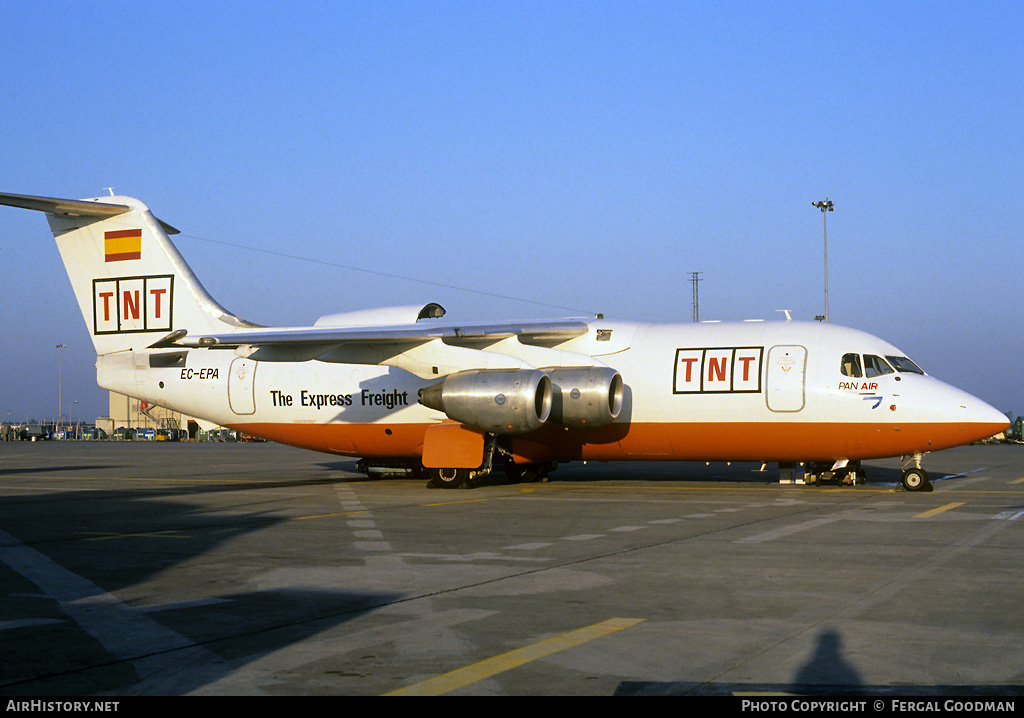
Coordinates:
[718,441]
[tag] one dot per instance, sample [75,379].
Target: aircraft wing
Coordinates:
[552,330]
[425,349]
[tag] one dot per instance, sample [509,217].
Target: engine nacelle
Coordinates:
[501,401]
[585,397]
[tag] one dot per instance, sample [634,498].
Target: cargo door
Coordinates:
[786,370]
[241,389]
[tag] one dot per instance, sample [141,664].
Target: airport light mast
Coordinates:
[694,278]
[60,385]
[825,206]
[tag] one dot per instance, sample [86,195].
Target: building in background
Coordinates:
[135,414]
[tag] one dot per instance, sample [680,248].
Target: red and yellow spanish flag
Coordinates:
[122,244]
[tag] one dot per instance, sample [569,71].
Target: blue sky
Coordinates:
[581,156]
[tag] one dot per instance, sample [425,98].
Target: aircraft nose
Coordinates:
[985,420]
[956,417]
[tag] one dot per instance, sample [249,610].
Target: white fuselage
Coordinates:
[754,391]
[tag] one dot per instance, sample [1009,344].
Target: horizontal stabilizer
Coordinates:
[71,207]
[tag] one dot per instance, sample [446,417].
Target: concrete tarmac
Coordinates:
[255,569]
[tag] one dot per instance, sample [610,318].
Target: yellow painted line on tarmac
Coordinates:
[766,694]
[176,479]
[681,487]
[939,510]
[450,503]
[144,479]
[461,677]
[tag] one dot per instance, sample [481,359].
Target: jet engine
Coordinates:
[585,396]
[500,401]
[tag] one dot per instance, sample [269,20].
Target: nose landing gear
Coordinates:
[915,478]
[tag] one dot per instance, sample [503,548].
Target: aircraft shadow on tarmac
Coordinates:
[17,471]
[598,472]
[70,562]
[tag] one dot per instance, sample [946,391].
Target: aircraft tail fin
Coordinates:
[132,285]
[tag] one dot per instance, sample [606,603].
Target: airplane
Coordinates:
[408,389]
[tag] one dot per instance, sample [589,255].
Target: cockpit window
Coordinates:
[903,364]
[850,366]
[875,366]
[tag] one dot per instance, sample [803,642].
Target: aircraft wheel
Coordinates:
[448,478]
[851,477]
[531,474]
[916,480]
[523,473]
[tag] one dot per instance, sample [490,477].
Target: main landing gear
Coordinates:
[528,473]
[453,478]
[915,478]
[496,455]
[471,478]
[840,473]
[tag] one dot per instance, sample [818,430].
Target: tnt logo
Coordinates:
[718,370]
[132,304]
